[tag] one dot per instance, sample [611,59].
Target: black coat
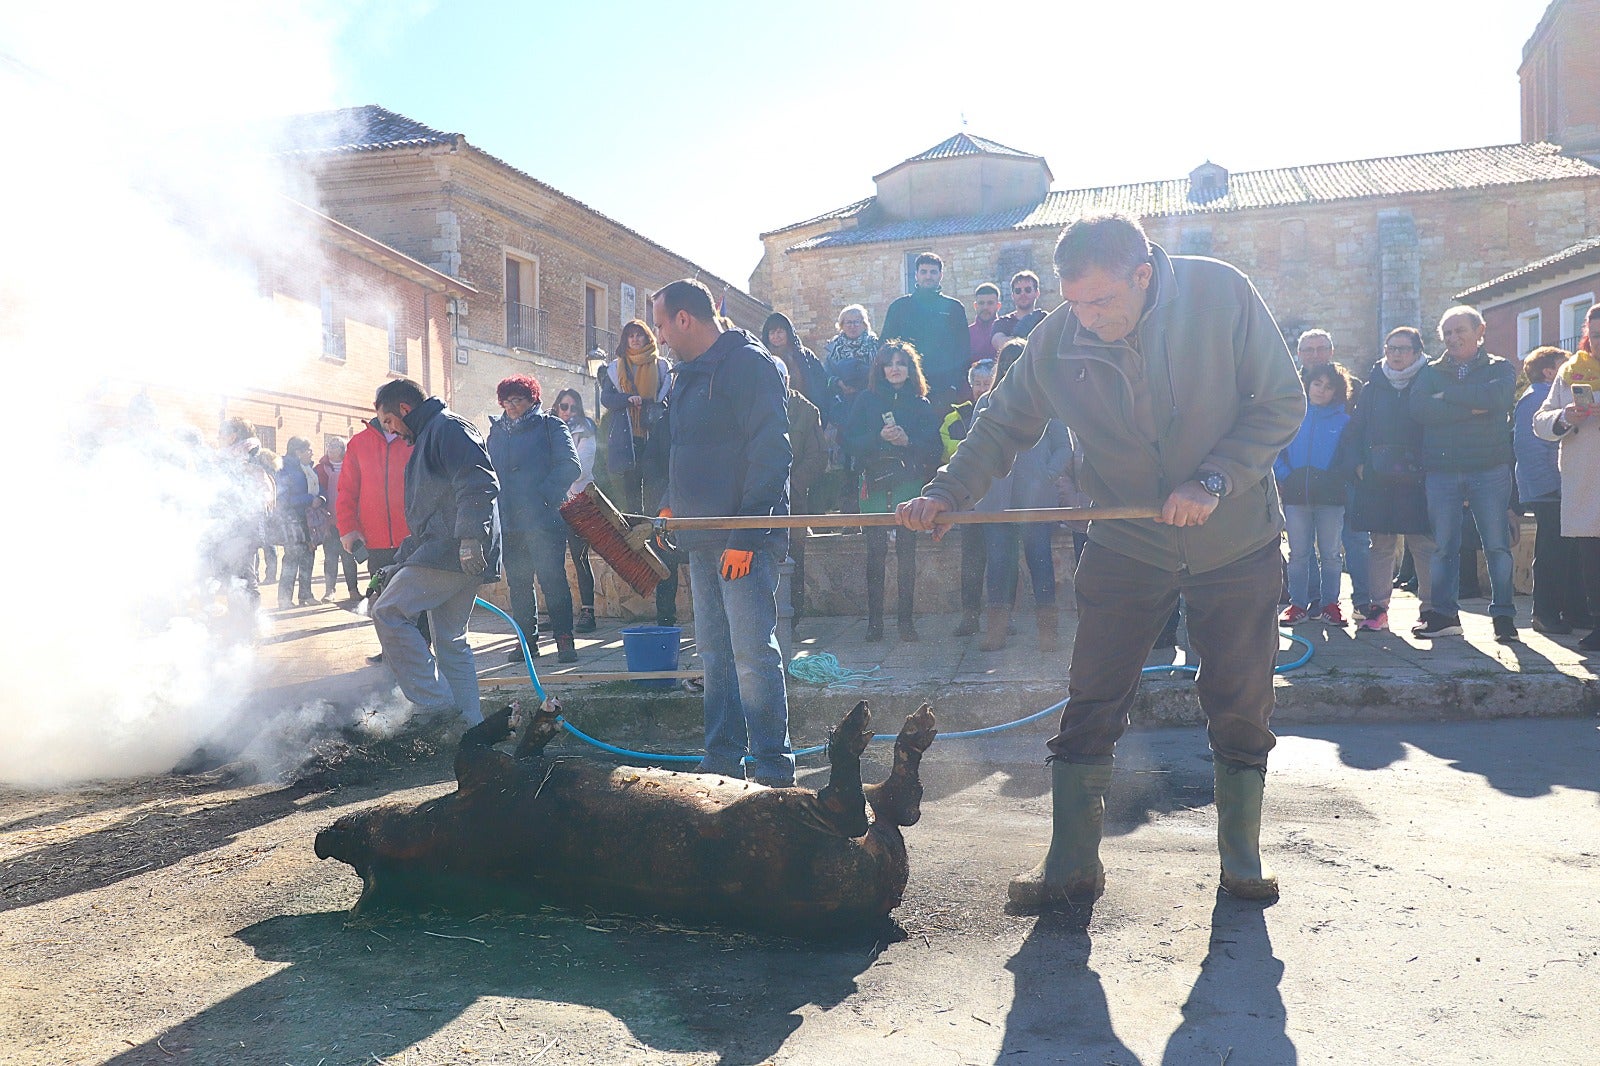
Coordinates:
[536,463]
[729,452]
[863,432]
[1386,443]
[450,492]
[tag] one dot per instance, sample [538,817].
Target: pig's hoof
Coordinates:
[918,732]
[853,734]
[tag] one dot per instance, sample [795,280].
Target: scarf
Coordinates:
[1401,378]
[640,377]
[313,486]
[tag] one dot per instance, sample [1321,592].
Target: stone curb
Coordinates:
[673,721]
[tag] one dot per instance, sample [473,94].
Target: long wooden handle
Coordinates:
[959,518]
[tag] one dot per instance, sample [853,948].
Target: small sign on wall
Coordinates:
[461,355]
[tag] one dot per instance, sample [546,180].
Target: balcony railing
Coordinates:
[526,327]
[595,337]
[1570,344]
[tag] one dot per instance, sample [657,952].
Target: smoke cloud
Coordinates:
[142,187]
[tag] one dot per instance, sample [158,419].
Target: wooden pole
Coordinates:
[957,518]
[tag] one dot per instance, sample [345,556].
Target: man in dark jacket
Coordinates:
[453,547]
[1024,313]
[1463,400]
[936,326]
[1173,374]
[730,455]
[536,462]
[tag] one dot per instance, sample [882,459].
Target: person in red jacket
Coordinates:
[370,507]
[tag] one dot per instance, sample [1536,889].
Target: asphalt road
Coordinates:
[1440,886]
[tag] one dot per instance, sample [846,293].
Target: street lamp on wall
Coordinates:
[594,363]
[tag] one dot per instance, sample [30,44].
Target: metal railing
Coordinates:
[526,327]
[595,337]
[1570,344]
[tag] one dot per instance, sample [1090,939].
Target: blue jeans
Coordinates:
[736,632]
[1357,553]
[1488,494]
[1001,544]
[1314,531]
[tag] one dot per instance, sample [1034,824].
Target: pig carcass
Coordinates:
[648,841]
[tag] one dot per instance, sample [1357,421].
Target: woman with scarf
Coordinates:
[893,433]
[632,389]
[1569,418]
[535,461]
[1383,448]
[569,408]
[297,491]
[854,343]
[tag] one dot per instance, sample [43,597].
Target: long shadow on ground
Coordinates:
[366,991]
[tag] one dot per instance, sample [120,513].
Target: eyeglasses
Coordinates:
[1399,347]
[565,405]
[1019,289]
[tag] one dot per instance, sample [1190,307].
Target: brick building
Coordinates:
[1355,247]
[555,279]
[1543,302]
[343,313]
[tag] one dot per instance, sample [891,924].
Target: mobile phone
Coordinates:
[1583,395]
[888,418]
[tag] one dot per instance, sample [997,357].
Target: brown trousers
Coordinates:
[1233,628]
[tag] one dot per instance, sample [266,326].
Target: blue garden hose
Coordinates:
[651,756]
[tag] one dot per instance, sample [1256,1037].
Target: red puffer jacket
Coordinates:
[372,489]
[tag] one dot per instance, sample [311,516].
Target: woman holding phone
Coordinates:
[893,434]
[1569,417]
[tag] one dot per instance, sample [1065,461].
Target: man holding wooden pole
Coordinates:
[1172,372]
[729,455]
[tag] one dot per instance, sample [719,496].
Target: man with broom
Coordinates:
[1173,374]
[729,454]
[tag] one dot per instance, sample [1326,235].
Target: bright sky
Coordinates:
[753,116]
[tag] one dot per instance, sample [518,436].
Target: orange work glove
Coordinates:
[736,564]
[666,512]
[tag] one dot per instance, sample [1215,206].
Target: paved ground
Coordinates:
[319,653]
[1438,885]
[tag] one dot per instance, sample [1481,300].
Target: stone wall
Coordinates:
[1354,267]
[465,214]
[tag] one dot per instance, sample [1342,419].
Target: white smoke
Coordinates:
[139,194]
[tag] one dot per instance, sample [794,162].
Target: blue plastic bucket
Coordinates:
[652,648]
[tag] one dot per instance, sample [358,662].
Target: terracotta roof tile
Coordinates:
[1568,258]
[1465,168]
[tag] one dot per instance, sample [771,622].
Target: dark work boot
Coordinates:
[969,623]
[566,648]
[1071,872]
[1239,792]
[586,622]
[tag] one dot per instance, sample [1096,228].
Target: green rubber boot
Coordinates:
[1239,791]
[1071,872]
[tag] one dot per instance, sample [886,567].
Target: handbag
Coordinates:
[1394,462]
[885,471]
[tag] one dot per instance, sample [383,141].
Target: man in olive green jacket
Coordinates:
[1177,381]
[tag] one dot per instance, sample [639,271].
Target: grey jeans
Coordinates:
[1233,628]
[1385,556]
[450,682]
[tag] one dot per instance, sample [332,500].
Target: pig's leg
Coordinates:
[539,730]
[899,799]
[841,803]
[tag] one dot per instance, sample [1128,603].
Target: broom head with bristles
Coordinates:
[594,518]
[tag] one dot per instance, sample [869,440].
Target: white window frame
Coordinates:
[1530,331]
[332,342]
[1579,303]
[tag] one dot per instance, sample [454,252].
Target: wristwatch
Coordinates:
[1214,483]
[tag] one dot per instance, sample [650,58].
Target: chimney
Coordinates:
[1207,182]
